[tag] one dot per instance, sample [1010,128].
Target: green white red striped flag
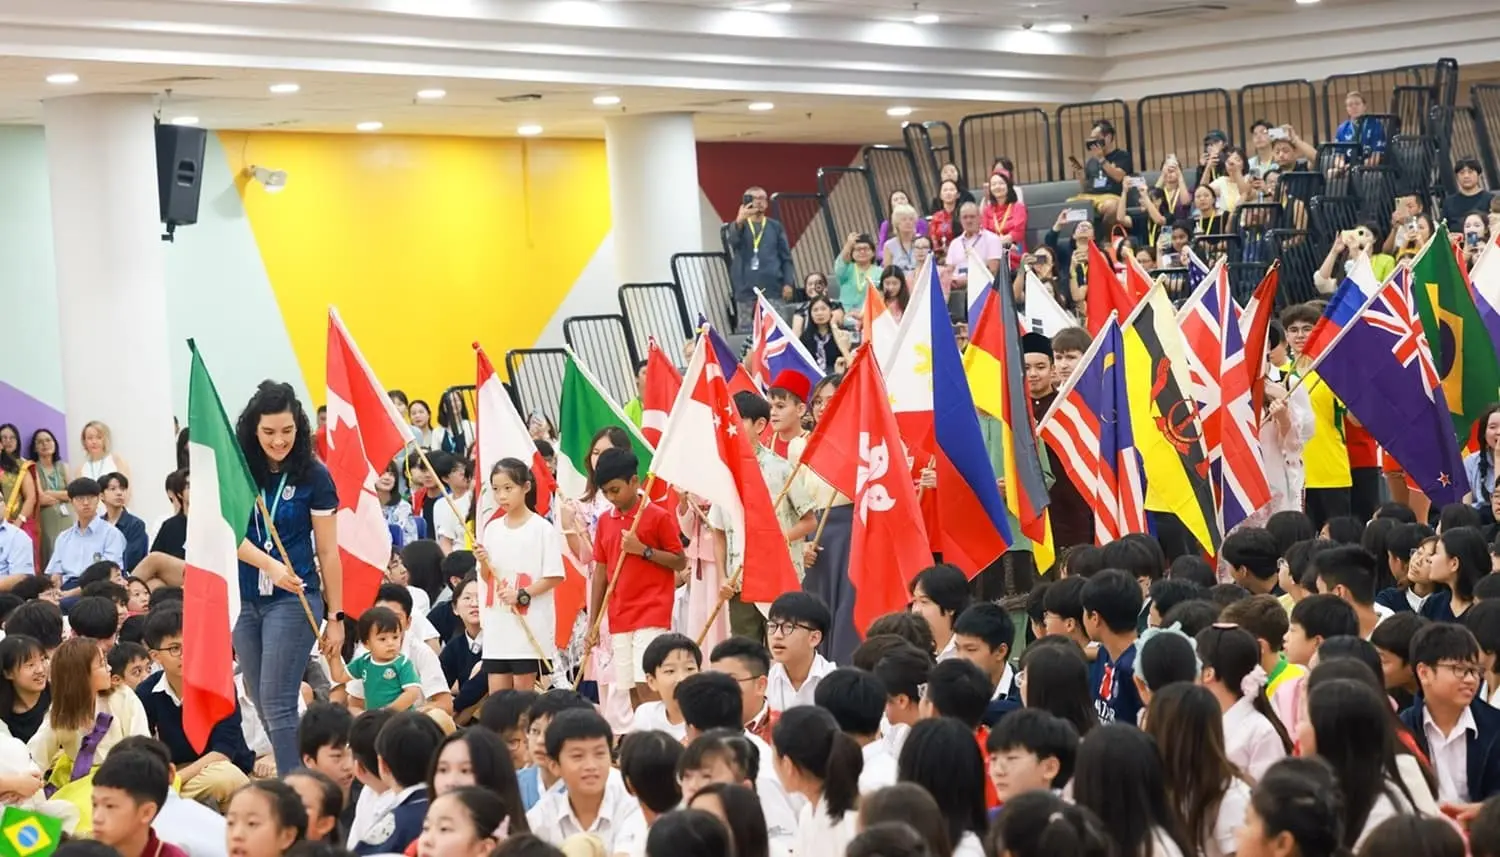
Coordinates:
[223,499]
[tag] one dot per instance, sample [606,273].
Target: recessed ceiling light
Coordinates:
[760,106]
[285,88]
[431,94]
[776,7]
[898,112]
[62,79]
[1057,28]
[184,120]
[606,100]
[369,126]
[1306,2]
[928,18]
[529,130]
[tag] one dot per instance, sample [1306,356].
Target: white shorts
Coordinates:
[629,649]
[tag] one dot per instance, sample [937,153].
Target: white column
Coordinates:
[653,191]
[111,286]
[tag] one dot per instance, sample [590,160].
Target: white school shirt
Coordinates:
[820,836]
[1250,741]
[1222,838]
[968,846]
[779,691]
[1388,804]
[778,806]
[190,826]
[949,651]
[368,807]
[653,716]
[533,550]
[1450,756]
[880,767]
[630,839]
[446,524]
[552,819]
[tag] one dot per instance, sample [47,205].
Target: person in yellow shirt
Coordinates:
[1326,454]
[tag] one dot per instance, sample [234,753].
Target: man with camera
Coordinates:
[1102,178]
[760,256]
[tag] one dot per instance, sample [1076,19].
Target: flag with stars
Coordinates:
[705,450]
[1460,343]
[364,434]
[1381,367]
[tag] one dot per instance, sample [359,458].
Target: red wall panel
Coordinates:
[726,169]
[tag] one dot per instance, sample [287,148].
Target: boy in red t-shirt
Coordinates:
[640,610]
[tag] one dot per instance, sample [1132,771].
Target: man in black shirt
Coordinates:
[1103,177]
[1471,197]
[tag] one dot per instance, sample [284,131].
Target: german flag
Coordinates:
[1164,418]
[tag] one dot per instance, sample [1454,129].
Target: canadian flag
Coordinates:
[364,433]
[857,449]
[704,451]
[501,433]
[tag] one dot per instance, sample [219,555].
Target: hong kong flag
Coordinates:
[364,434]
[857,449]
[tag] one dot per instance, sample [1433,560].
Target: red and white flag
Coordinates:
[501,433]
[705,451]
[364,433]
[857,449]
[663,382]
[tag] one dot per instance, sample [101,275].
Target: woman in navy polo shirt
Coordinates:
[272,636]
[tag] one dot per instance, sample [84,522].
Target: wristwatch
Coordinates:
[523,598]
[340,615]
[647,554]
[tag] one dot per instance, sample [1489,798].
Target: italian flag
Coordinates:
[586,409]
[223,498]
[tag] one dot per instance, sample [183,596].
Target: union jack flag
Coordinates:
[1221,377]
[773,349]
[1396,313]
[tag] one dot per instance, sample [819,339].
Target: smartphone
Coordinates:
[1075,162]
[746,199]
[1473,239]
[1073,215]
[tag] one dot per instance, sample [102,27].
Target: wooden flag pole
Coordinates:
[546,662]
[286,561]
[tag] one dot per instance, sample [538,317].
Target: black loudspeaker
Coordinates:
[179,173]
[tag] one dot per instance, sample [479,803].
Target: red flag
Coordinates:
[662,383]
[1261,310]
[501,433]
[1106,293]
[704,451]
[857,449]
[364,434]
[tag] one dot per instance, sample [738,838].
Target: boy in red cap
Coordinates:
[788,394]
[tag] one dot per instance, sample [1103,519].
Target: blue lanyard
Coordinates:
[273,503]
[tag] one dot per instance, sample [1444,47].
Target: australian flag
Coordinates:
[1382,369]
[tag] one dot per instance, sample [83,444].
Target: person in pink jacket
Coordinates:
[1005,215]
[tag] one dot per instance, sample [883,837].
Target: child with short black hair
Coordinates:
[648,766]
[578,753]
[363,733]
[983,635]
[129,789]
[323,743]
[1112,603]
[1063,610]
[718,756]
[903,671]
[957,688]
[1265,618]
[1315,619]
[506,714]
[1392,640]
[796,625]
[129,664]
[939,594]
[226,760]
[404,750]
[138,596]
[462,657]
[387,677]
[104,570]
[538,778]
[856,699]
[668,660]
[1028,750]
[95,617]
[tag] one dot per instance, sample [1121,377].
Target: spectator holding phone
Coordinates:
[761,256]
[1102,177]
[1471,197]
[1476,236]
[1211,161]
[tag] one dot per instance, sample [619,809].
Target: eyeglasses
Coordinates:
[785,629]
[1464,672]
[174,651]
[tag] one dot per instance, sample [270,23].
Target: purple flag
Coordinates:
[1381,367]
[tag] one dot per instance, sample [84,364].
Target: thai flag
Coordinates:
[773,348]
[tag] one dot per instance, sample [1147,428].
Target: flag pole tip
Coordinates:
[476,345]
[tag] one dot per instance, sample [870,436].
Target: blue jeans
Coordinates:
[274,643]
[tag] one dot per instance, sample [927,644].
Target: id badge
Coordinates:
[755,262]
[64,509]
[266,586]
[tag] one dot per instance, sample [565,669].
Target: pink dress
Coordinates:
[614,703]
[704,580]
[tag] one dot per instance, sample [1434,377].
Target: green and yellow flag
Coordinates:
[28,834]
[1460,343]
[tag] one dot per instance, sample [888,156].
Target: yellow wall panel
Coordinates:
[423,243]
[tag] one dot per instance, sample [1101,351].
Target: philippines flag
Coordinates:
[364,433]
[773,348]
[1088,426]
[1220,380]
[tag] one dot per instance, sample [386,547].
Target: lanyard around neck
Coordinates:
[756,236]
[261,525]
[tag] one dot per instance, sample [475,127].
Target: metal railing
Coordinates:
[808,229]
[707,290]
[1024,137]
[1378,89]
[1074,121]
[893,168]
[1177,122]
[536,379]
[1485,100]
[655,311]
[1285,102]
[602,343]
[850,200]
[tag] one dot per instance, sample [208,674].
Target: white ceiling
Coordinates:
[831,67]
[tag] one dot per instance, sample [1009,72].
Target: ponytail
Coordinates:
[810,738]
[1234,655]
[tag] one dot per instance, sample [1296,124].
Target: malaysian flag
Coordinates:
[773,348]
[1088,426]
[1220,380]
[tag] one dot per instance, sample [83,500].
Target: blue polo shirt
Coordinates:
[78,548]
[293,505]
[136,542]
[16,553]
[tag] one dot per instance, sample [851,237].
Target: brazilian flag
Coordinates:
[1456,335]
[28,834]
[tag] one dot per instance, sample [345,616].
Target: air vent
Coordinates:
[176,81]
[520,99]
[1191,10]
[720,103]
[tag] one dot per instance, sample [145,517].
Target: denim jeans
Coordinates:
[274,643]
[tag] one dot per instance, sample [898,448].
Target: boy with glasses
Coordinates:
[796,624]
[1460,734]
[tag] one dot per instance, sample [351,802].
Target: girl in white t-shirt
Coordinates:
[520,562]
[1209,792]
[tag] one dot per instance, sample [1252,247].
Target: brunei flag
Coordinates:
[996,374]
[1164,419]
